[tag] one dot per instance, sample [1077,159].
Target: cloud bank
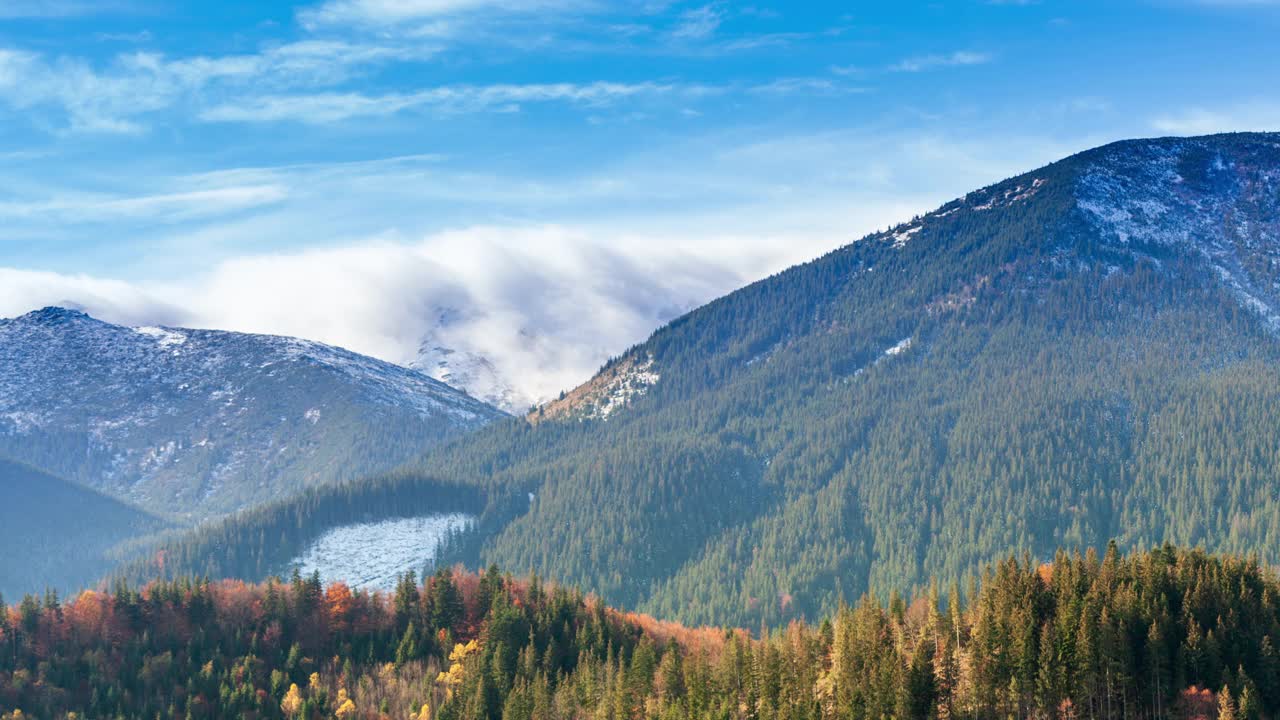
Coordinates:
[544,305]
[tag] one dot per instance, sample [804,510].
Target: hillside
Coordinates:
[56,534]
[192,423]
[1084,352]
[1168,633]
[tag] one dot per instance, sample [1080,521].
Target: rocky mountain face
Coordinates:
[198,422]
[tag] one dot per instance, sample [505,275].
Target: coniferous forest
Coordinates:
[1168,633]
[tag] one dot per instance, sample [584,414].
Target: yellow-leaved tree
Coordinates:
[292,702]
[346,708]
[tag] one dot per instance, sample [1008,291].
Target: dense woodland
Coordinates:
[261,542]
[1062,386]
[1170,633]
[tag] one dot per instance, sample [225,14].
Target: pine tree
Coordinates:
[1226,705]
[446,602]
[406,599]
[407,650]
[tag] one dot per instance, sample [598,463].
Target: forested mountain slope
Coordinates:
[58,535]
[194,423]
[1084,352]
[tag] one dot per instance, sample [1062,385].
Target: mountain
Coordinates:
[194,423]
[56,534]
[1084,352]
[471,372]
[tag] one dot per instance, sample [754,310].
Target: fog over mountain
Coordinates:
[512,319]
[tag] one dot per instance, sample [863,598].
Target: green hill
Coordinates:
[1084,352]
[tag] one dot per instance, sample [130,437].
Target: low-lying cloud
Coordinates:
[545,305]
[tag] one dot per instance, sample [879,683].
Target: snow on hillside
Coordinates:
[372,556]
[1214,199]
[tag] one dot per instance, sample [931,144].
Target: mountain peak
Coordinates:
[54,315]
[176,419]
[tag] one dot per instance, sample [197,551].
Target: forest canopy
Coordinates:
[1166,633]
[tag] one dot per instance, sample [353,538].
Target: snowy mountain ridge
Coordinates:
[1214,197]
[203,421]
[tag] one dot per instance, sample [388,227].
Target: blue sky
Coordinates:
[356,170]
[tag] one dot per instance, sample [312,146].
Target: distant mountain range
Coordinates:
[194,423]
[1085,352]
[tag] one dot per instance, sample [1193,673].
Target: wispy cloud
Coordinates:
[333,107]
[698,23]
[392,12]
[806,86]
[921,63]
[113,97]
[164,207]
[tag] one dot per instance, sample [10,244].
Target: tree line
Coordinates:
[1170,633]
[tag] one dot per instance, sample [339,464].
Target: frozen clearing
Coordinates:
[370,555]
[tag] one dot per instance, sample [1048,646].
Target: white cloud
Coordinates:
[1262,116]
[547,304]
[333,107]
[113,97]
[165,207]
[929,62]
[391,12]
[698,23]
[25,290]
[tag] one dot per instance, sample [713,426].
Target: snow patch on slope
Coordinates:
[901,237]
[612,389]
[627,386]
[164,337]
[371,556]
[1009,196]
[901,347]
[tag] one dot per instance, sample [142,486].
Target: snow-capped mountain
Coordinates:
[199,422]
[470,371]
